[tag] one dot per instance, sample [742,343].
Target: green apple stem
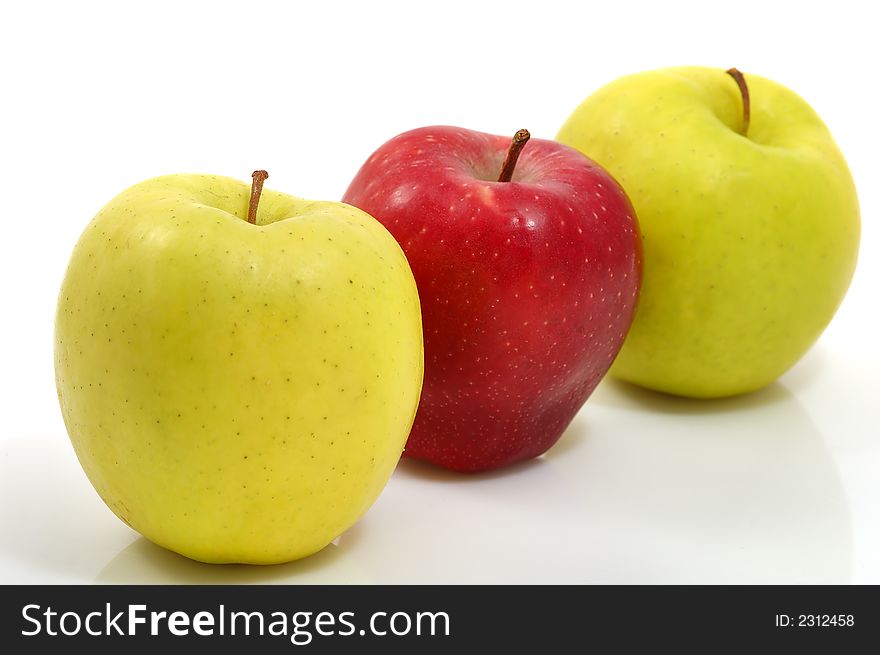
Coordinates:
[740,80]
[516,145]
[256,189]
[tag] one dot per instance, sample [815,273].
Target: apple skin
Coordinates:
[527,287]
[237,392]
[750,241]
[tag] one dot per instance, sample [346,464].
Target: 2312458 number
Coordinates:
[825,620]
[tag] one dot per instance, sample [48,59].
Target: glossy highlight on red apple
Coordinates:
[527,286]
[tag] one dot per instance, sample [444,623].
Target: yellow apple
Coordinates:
[237,391]
[749,220]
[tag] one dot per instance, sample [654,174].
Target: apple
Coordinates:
[749,218]
[238,373]
[528,275]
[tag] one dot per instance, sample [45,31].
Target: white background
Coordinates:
[780,486]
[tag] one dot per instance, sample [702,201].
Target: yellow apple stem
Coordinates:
[516,145]
[740,80]
[256,189]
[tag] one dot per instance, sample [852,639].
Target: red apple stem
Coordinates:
[740,80]
[256,189]
[516,145]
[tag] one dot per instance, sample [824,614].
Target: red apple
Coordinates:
[528,284]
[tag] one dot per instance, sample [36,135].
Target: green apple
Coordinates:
[749,218]
[237,392]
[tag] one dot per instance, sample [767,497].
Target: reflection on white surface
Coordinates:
[643,488]
[55,528]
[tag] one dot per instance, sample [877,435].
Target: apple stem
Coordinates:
[740,80]
[516,145]
[256,189]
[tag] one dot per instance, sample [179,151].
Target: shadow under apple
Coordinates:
[427,471]
[143,562]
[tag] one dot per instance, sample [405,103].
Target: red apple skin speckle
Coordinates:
[527,287]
